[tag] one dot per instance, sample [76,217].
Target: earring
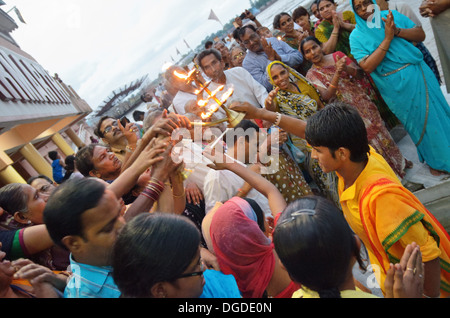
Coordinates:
[29,222]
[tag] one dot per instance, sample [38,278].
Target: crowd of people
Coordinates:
[282,204]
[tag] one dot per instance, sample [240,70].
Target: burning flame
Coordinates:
[223,100]
[185,77]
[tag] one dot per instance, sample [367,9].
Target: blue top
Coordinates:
[90,282]
[219,285]
[256,63]
[58,171]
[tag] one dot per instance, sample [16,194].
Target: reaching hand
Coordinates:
[270,100]
[130,132]
[219,158]
[250,110]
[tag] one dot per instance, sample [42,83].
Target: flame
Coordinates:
[223,100]
[227,95]
[182,76]
[220,88]
[202,103]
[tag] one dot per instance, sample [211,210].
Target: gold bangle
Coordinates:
[382,48]
[179,196]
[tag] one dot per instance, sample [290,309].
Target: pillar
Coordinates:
[63,145]
[36,160]
[74,137]
[7,172]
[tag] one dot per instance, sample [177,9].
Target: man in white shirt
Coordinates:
[246,88]
[222,185]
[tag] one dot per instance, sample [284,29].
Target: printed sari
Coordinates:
[408,87]
[359,94]
[303,105]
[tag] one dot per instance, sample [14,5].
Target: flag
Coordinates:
[178,52]
[213,16]
[19,15]
[186,44]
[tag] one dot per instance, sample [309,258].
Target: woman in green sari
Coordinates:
[295,96]
[335,29]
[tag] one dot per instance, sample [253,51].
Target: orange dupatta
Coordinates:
[387,221]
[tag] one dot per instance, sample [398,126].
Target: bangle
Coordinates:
[335,87]
[335,34]
[397,31]
[277,122]
[130,148]
[382,48]
[179,196]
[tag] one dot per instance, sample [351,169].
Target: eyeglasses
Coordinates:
[241,54]
[193,274]
[253,38]
[109,128]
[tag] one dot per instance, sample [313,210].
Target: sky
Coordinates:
[98,46]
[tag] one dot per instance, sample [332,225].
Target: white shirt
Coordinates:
[246,89]
[180,100]
[222,185]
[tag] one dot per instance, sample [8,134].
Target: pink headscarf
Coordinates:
[241,247]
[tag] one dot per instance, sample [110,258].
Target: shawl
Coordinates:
[241,247]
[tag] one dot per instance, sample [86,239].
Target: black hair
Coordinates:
[277,18]
[244,128]
[319,1]
[13,199]
[242,30]
[53,155]
[208,44]
[316,245]
[299,12]
[65,207]
[83,159]
[339,125]
[137,115]
[260,217]
[144,99]
[307,39]
[153,248]
[207,52]
[41,176]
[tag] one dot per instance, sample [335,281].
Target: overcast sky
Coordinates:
[97,46]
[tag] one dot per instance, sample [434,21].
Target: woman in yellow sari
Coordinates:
[295,96]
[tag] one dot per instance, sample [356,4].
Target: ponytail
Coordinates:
[330,293]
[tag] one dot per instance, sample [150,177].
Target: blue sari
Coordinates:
[408,87]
